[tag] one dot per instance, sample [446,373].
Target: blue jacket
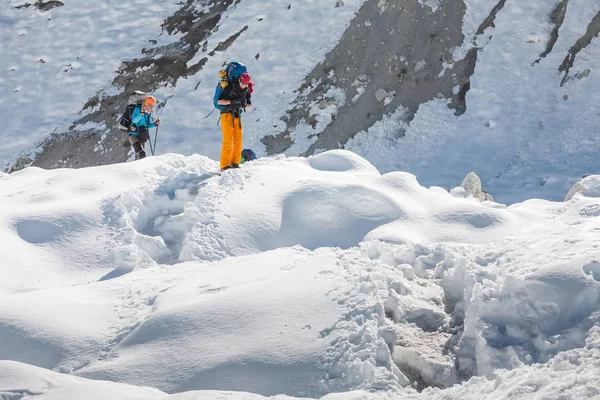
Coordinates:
[218,93]
[138,119]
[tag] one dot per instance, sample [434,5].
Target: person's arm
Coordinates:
[151,121]
[248,100]
[219,103]
[136,117]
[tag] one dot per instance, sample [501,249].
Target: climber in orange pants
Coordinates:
[232,100]
[231,150]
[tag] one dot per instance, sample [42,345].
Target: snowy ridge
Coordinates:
[290,277]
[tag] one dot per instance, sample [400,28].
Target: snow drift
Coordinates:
[295,276]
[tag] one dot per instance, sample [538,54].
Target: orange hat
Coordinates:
[150,101]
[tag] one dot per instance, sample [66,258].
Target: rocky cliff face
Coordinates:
[400,54]
[394,54]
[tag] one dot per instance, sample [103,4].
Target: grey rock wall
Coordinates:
[395,53]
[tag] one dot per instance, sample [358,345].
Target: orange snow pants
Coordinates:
[231,150]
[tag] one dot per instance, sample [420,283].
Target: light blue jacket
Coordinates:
[138,119]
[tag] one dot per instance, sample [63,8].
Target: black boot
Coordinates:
[227,167]
[234,165]
[139,151]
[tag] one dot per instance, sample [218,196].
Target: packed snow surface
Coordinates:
[291,277]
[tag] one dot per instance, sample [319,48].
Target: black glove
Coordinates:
[143,134]
[236,103]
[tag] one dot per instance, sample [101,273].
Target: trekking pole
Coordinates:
[155,138]
[207,115]
[150,143]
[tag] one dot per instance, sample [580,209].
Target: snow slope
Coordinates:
[54,61]
[300,277]
[524,133]
[82,47]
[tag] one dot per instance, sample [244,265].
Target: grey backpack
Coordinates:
[135,100]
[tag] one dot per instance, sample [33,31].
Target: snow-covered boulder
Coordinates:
[589,186]
[471,185]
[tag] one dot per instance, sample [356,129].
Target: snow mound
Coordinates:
[23,381]
[38,231]
[279,278]
[572,373]
[550,311]
[588,186]
[19,381]
[341,161]
[180,346]
[321,214]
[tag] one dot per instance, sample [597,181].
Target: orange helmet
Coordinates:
[150,101]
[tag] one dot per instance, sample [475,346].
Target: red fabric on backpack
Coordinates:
[247,80]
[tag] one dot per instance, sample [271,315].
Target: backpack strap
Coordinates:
[133,125]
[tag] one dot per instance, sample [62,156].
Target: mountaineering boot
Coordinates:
[139,150]
[227,167]
[234,165]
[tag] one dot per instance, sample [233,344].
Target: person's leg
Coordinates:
[227,146]
[143,152]
[138,147]
[237,143]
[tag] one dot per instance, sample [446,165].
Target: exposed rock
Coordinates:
[577,188]
[584,74]
[472,184]
[43,5]
[592,31]
[557,17]
[423,37]
[489,21]
[386,52]
[420,65]
[589,185]
[380,94]
[48,5]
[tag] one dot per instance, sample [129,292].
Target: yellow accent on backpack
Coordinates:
[224,79]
